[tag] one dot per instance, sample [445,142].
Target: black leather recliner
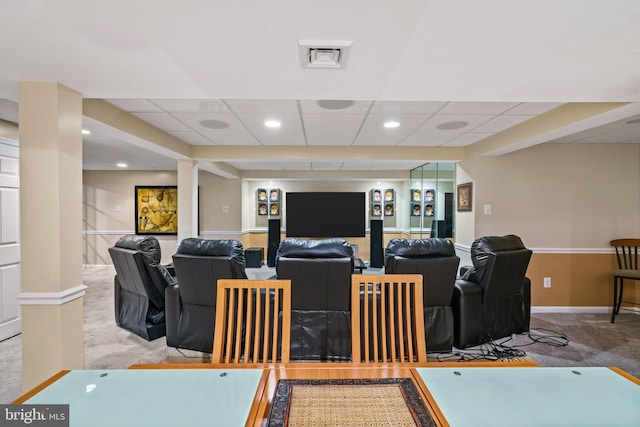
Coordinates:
[320,273]
[438,263]
[191,303]
[492,299]
[139,284]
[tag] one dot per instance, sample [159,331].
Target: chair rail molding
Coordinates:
[51,298]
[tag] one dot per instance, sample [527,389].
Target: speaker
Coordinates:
[273,242]
[448,215]
[375,243]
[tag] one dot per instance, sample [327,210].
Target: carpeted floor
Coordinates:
[591,339]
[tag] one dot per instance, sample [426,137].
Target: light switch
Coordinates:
[225,209]
[487,209]
[118,208]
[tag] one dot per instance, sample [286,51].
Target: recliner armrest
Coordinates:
[172,309]
[467,313]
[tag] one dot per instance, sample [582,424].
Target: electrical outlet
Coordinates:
[547,282]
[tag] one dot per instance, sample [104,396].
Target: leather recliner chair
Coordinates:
[139,285]
[320,273]
[438,263]
[191,303]
[492,299]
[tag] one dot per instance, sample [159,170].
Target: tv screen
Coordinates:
[325,214]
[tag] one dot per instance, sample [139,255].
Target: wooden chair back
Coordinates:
[387,318]
[253,322]
[627,251]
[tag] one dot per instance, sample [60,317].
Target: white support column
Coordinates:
[187,199]
[51,230]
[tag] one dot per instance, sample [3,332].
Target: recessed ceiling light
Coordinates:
[214,124]
[86,132]
[335,104]
[391,124]
[452,125]
[121,165]
[272,124]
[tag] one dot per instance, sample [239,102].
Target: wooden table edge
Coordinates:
[37,389]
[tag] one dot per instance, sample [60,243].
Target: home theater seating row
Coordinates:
[489,300]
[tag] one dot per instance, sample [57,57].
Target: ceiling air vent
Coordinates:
[323,53]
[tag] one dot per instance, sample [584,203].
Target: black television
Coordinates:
[325,214]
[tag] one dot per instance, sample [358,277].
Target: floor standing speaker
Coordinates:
[448,215]
[375,238]
[273,242]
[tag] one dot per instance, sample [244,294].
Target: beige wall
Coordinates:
[559,195]
[566,202]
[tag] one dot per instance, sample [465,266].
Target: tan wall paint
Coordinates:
[566,196]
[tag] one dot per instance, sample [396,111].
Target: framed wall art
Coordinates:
[465,195]
[156,209]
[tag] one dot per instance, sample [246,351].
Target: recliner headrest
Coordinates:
[411,248]
[206,247]
[496,244]
[328,248]
[148,245]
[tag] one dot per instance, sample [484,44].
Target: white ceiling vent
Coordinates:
[323,53]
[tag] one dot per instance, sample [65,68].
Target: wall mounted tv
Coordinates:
[325,214]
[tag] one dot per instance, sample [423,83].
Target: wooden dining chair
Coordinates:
[627,258]
[253,322]
[387,319]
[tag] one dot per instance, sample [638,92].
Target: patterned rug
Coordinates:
[346,403]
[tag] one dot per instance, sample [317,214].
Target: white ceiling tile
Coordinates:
[476,107]
[193,120]
[193,138]
[500,123]
[331,138]
[264,106]
[135,105]
[406,107]
[433,139]
[255,123]
[408,123]
[379,138]
[164,121]
[474,120]
[332,122]
[191,105]
[312,107]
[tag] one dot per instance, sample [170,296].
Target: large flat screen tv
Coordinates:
[325,214]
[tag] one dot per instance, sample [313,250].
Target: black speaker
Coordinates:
[448,215]
[375,243]
[273,242]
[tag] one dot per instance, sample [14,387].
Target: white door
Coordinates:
[10,321]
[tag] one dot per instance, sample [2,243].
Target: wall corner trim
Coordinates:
[51,298]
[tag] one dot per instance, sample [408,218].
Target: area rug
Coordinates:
[348,402]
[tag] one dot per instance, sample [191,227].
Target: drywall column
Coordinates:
[187,199]
[51,230]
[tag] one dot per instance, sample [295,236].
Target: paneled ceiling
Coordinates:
[452,74]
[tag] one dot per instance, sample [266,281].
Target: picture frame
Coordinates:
[416,195]
[274,195]
[156,209]
[416,209]
[389,195]
[429,195]
[429,210]
[376,209]
[274,208]
[389,209]
[376,195]
[464,197]
[262,208]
